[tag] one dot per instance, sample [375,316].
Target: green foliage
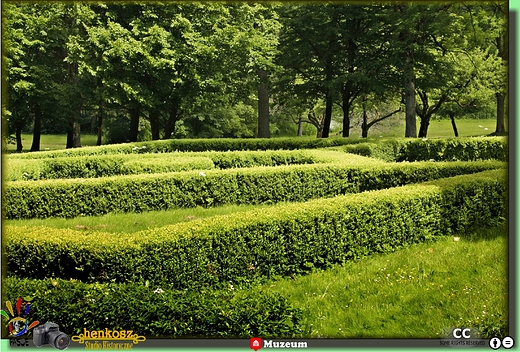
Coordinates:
[157,312]
[259,185]
[451,149]
[102,166]
[193,145]
[283,240]
[127,164]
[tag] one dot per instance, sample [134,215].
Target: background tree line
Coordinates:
[135,71]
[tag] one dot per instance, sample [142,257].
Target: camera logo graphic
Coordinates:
[49,334]
[19,324]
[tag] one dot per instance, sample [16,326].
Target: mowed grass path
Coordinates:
[134,222]
[415,292]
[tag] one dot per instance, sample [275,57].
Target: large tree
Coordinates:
[487,30]
[34,42]
[337,52]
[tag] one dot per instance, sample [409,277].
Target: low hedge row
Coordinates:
[280,240]
[454,149]
[156,312]
[100,166]
[195,145]
[120,164]
[138,193]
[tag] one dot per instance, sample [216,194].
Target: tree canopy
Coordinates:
[132,71]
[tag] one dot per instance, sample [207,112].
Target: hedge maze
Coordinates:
[331,201]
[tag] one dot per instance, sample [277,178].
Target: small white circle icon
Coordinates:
[495,343]
[508,342]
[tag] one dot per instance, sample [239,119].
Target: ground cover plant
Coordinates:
[133,222]
[193,145]
[224,253]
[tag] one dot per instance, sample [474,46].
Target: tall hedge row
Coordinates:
[454,149]
[280,240]
[156,312]
[195,145]
[138,193]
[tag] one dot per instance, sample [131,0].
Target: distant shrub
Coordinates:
[449,149]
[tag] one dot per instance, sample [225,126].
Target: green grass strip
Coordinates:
[134,164]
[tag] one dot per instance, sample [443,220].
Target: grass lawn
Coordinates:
[52,141]
[390,128]
[394,128]
[133,222]
[415,292]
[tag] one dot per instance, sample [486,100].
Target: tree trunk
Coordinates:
[425,122]
[346,114]
[454,125]
[99,125]
[263,105]
[19,146]
[74,135]
[74,131]
[37,131]
[364,128]
[364,125]
[154,123]
[500,127]
[134,124]
[503,51]
[328,115]
[173,116]
[69,136]
[300,127]
[409,91]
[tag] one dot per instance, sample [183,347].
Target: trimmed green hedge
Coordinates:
[120,164]
[446,149]
[195,145]
[101,166]
[151,312]
[138,193]
[280,240]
